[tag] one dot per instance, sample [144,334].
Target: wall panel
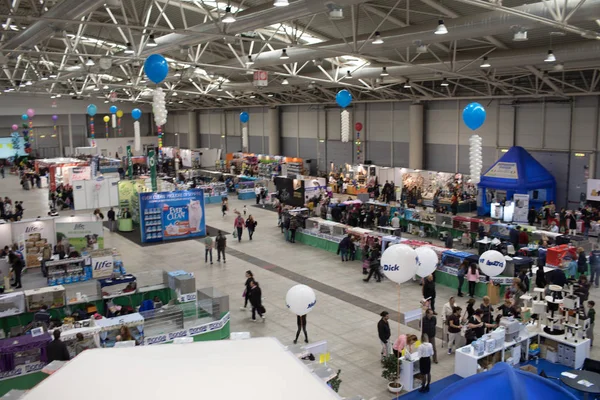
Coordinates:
[585,117]
[307,148]
[308,122]
[441,120]
[289,147]
[558,125]
[529,125]
[288,118]
[379,153]
[333,124]
[339,153]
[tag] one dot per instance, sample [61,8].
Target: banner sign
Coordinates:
[521,207]
[191,332]
[94,165]
[593,189]
[129,163]
[506,170]
[102,267]
[23,369]
[291,191]
[83,236]
[261,78]
[152,163]
[172,215]
[34,235]
[81,173]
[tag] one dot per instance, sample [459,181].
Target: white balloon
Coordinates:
[492,263]
[399,262]
[428,261]
[300,299]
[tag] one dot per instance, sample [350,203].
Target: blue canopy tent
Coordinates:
[505,382]
[516,172]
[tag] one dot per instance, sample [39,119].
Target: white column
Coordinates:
[71,135]
[192,130]
[61,149]
[274,134]
[416,138]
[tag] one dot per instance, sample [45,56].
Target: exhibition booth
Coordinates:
[261,165]
[514,183]
[435,189]
[62,170]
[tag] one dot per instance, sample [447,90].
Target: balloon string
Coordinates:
[399,351]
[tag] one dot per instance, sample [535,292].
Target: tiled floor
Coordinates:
[347,309]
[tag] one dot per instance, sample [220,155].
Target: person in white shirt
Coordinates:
[446,312]
[258,194]
[425,352]
[395,222]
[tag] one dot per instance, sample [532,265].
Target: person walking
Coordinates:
[384,332]
[428,326]
[224,207]
[251,225]
[572,224]
[374,265]
[301,322]
[238,225]
[595,267]
[531,216]
[447,311]
[460,275]
[16,265]
[473,278]
[257,193]
[2,170]
[454,328]
[582,266]
[111,219]
[345,247]
[425,351]
[293,227]
[247,288]
[429,292]
[591,314]
[208,247]
[255,298]
[221,244]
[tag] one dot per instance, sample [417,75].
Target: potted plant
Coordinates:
[391,372]
[335,382]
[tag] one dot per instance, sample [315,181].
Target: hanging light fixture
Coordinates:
[285,81]
[407,84]
[284,55]
[90,62]
[151,42]
[384,72]
[228,18]
[53,76]
[550,57]
[445,82]
[441,28]
[281,3]
[249,61]
[378,39]
[129,49]
[28,83]
[485,63]
[219,88]
[348,75]
[44,77]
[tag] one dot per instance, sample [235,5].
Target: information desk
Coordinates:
[125,224]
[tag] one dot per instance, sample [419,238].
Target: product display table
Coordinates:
[409,369]
[589,376]
[10,346]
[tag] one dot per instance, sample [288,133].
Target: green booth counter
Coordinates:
[125,224]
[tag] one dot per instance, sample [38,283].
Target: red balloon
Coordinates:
[358,126]
[28,150]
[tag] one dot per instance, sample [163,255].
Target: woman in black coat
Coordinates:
[255,298]
[582,265]
[572,224]
[249,278]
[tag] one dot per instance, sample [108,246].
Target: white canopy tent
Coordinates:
[254,369]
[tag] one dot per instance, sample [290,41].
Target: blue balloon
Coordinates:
[343,98]
[244,117]
[24,117]
[136,113]
[474,115]
[91,110]
[113,109]
[156,68]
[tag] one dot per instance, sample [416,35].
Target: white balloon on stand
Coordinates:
[300,299]
[428,261]
[492,263]
[399,263]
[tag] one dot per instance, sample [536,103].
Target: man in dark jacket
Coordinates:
[429,291]
[383,330]
[17,267]
[111,219]
[531,216]
[514,236]
[595,267]
[255,298]
[374,265]
[221,241]
[56,349]
[344,248]
[429,324]
[42,316]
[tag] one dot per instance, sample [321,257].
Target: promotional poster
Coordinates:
[34,236]
[87,235]
[291,191]
[172,215]
[128,196]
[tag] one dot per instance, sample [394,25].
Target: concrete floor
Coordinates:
[347,309]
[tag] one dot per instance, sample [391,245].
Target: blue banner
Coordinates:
[172,215]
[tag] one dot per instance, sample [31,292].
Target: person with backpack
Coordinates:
[221,244]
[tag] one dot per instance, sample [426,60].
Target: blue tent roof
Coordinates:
[505,382]
[517,170]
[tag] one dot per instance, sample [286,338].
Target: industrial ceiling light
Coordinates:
[44,77]
[520,36]
[441,28]
[348,75]
[28,83]
[177,73]
[407,84]
[96,89]
[285,81]
[281,3]
[384,72]
[284,55]
[90,62]
[252,96]
[53,76]
[105,87]
[550,57]
[180,101]
[378,39]
[219,99]
[59,95]
[228,18]
[151,42]
[249,61]
[143,81]
[52,97]
[22,84]
[129,83]
[129,49]
[485,63]
[219,89]
[175,94]
[445,82]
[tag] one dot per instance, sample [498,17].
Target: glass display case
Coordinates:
[12,304]
[427,216]
[160,321]
[115,287]
[64,272]
[52,296]
[444,220]
[109,328]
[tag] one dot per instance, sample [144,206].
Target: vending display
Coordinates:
[152,224]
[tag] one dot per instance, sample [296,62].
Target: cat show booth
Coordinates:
[515,173]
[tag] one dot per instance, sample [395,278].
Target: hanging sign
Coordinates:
[152,162]
[261,78]
[506,170]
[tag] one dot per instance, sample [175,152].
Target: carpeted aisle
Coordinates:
[553,372]
[434,389]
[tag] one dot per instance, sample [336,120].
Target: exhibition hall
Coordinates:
[345,199]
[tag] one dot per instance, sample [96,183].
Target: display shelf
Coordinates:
[67,271]
[12,304]
[53,297]
[152,225]
[162,320]
[409,369]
